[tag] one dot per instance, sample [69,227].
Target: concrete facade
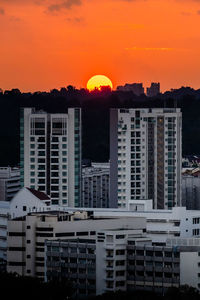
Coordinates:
[191,192]
[50,154]
[24,202]
[95,185]
[123,260]
[9,183]
[27,235]
[146,156]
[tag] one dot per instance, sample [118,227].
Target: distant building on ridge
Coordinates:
[136,88]
[153,90]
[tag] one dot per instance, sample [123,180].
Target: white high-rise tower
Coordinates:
[145,156]
[50,154]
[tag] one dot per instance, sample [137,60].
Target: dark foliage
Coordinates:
[95,116]
[17,287]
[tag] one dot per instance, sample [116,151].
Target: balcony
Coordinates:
[109,278]
[109,257]
[110,267]
[139,268]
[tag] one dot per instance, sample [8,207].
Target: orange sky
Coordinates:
[47,44]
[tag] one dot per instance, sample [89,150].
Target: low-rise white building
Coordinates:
[122,259]
[27,235]
[161,224]
[189,260]
[24,202]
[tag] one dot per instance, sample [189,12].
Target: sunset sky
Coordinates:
[49,44]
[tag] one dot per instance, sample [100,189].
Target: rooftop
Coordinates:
[38,194]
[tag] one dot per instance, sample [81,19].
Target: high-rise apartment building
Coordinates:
[50,154]
[145,156]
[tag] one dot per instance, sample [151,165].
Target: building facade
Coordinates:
[123,260]
[9,183]
[74,260]
[26,236]
[145,156]
[50,154]
[191,192]
[95,185]
[4,215]
[24,202]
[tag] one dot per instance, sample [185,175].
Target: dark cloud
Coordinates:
[75,20]
[68,4]
[2,11]
[198,12]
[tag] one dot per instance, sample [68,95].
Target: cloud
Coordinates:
[67,4]
[186,14]
[149,49]
[76,20]
[2,11]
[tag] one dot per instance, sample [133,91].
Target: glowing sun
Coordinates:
[98,81]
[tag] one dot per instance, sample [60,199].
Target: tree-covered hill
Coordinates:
[95,115]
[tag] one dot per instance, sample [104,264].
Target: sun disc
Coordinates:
[97,82]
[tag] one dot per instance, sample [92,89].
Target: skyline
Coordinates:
[48,44]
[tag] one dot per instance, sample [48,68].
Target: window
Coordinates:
[120,262]
[120,236]
[54,160]
[41,160]
[54,146]
[41,153]
[196,220]
[54,139]
[120,252]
